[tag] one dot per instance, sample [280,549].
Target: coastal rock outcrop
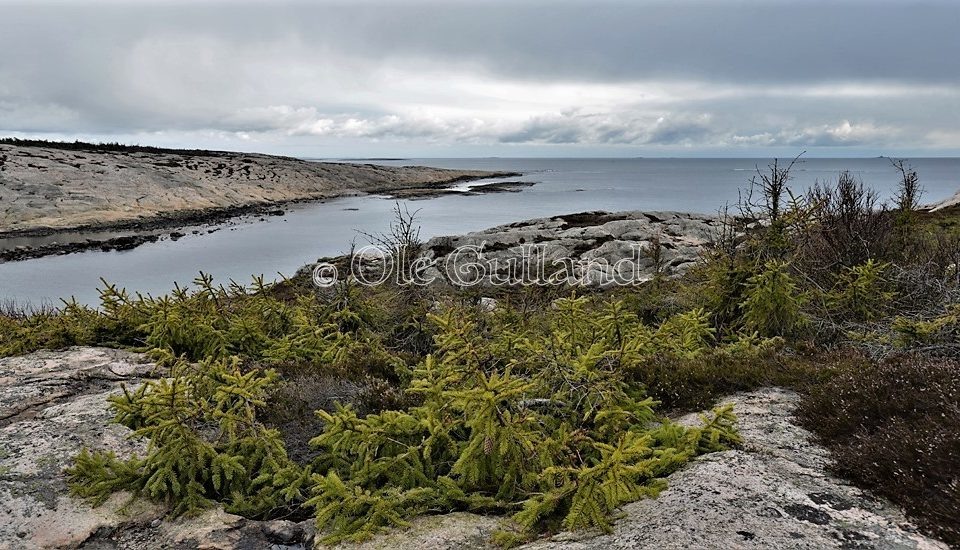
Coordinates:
[586,248]
[773,492]
[44,189]
[51,405]
[946,204]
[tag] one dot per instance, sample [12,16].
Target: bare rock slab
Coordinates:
[47,188]
[587,247]
[51,405]
[773,493]
[457,531]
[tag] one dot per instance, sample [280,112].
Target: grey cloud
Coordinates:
[726,40]
[547,131]
[622,128]
[307,70]
[684,133]
[771,41]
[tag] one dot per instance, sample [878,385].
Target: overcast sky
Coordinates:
[482,78]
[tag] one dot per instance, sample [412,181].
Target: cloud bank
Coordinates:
[350,79]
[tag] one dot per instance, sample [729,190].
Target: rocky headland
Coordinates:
[951,203]
[51,190]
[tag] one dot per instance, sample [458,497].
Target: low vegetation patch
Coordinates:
[536,417]
[894,427]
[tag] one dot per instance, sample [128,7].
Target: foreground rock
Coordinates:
[585,248]
[51,405]
[44,188]
[772,493]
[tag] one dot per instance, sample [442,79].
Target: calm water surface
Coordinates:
[283,244]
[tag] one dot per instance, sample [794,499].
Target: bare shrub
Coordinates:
[851,226]
[728,234]
[402,247]
[769,202]
[909,191]
[654,251]
[939,252]
[402,238]
[12,309]
[766,198]
[922,289]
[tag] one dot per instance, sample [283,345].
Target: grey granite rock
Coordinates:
[945,204]
[44,188]
[52,404]
[589,247]
[774,492]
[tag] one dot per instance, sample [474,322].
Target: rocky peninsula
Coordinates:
[131,193]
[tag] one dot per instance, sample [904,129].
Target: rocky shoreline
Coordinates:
[144,196]
[130,234]
[952,203]
[172,226]
[416,193]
